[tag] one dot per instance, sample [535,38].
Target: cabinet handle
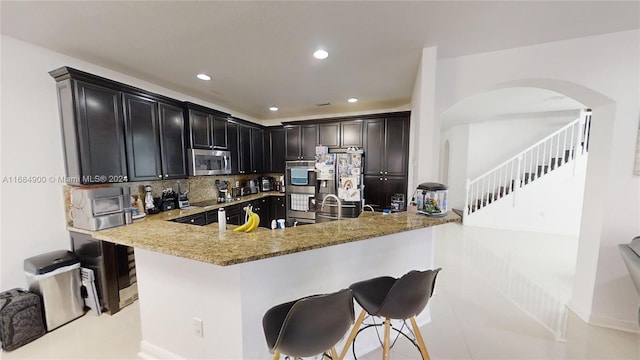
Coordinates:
[385,179]
[385,173]
[380,179]
[166,175]
[160,176]
[380,172]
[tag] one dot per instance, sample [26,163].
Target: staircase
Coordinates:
[558,149]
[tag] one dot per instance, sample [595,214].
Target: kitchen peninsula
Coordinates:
[203,292]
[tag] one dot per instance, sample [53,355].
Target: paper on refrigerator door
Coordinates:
[349,189]
[325,166]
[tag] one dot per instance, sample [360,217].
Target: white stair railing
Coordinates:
[536,161]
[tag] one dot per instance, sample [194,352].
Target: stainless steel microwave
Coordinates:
[209,162]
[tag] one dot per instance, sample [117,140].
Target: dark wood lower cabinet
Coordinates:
[378,190]
[278,207]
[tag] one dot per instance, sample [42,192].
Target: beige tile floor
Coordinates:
[473,314]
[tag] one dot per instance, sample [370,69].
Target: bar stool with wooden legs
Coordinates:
[390,298]
[309,326]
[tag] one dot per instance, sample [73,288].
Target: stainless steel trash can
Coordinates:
[55,276]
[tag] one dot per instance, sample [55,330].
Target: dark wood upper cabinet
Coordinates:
[172,141]
[351,133]
[309,141]
[329,134]
[301,141]
[276,153]
[257,151]
[373,147]
[244,149]
[396,146]
[219,133]
[200,130]
[92,131]
[207,127]
[292,149]
[142,134]
[386,146]
[232,137]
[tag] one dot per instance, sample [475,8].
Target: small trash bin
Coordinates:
[55,276]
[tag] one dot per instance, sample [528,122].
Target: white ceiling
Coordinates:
[259,53]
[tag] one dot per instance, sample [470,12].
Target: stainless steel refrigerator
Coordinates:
[339,174]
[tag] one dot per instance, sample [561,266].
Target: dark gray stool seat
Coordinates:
[309,326]
[392,298]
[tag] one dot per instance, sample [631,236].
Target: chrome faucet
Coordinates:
[370,207]
[337,199]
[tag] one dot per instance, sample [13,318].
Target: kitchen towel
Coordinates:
[299,176]
[300,202]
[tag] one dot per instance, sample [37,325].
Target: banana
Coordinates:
[254,219]
[250,222]
[247,223]
[242,227]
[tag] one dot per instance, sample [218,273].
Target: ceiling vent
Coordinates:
[324,104]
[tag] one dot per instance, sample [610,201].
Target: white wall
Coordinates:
[458,137]
[601,72]
[496,141]
[424,139]
[32,215]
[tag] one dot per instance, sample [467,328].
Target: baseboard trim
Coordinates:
[603,321]
[151,352]
[616,324]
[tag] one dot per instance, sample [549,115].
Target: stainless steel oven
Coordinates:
[300,192]
[209,162]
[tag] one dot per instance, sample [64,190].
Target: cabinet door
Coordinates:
[172,142]
[232,132]
[279,207]
[200,130]
[262,208]
[373,146]
[329,134]
[101,128]
[351,133]
[257,151]
[293,142]
[219,133]
[277,148]
[374,194]
[244,148]
[308,141]
[396,145]
[143,138]
[394,185]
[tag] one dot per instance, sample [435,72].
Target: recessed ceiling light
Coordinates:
[273,108]
[203,77]
[320,54]
[352,100]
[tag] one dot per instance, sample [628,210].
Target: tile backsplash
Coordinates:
[201,188]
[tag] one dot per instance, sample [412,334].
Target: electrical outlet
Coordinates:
[198,327]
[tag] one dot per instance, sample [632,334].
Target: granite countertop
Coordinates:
[208,244]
